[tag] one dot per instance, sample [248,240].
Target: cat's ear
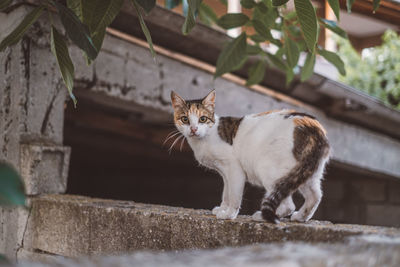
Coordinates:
[176,100]
[209,100]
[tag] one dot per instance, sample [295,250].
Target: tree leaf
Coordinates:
[232,55]
[257,38]
[276,61]
[207,14]
[147,5]
[289,76]
[190,20]
[104,13]
[20,30]
[292,52]
[76,30]
[261,29]
[308,22]
[76,6]
[232,20]
[334,59]
[308,68]
[253,50]
[256,73]
[247,3]
[12,190]
[145,30]
[60,51]
[262,7]
[279,2]
[170,4]
[375,4]
[331,25]
[349,4]
[4,4]
[334,4]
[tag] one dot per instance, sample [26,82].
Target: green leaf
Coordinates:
[276,61]
[147,5]
[20,30]
[232,20]
[247,3]
[334,59]
[262,7]
[76,30]
[349,4]
[308,67]
[190,20]
[103,14]
[232,55]
[279,2]
[256,73]
[292,52]
[261,29]
[253,50]
[11,186]
[375,4]
[170,4]
[334,4]
[257,38]
[60,51]
[331,25]
[145,30]
[308,22]
[289,76]
[4,4]
[207,14]
[76,7]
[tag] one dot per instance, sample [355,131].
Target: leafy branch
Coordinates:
[288,34]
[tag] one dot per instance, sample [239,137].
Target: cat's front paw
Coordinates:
[218,209]
[229,213]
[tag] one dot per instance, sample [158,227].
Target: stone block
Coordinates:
[394,192]
[72,225]
[44,168]
[383,215]
[370,190]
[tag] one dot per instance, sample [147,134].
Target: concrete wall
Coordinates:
[32,98]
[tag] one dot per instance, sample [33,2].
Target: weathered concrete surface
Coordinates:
[380,252]
[125,76]
[32,97]
[74,226]
[44,168]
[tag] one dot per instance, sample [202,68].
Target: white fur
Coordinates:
[261,153]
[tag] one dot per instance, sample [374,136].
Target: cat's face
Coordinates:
[194,118]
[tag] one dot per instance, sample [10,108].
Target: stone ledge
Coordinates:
[376,252]
[72,226]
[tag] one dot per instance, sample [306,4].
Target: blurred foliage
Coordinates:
[12,192]
[377,71]
[287,32]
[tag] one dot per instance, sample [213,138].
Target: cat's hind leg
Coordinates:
[312,193]
[286,208]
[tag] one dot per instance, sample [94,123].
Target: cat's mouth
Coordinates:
[194,134]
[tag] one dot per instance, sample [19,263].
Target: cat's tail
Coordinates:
[310,148]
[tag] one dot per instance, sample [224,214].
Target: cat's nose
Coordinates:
[193,129]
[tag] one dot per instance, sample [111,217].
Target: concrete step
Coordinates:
[73,226]
[374,251]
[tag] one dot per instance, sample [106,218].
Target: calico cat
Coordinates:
[282,151]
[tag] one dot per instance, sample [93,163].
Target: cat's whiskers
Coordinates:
[176,140]
[170,136]
[182,142]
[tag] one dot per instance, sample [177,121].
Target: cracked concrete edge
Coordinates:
[73,226]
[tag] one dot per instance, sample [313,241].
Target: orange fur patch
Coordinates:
[306,121]
[267,112]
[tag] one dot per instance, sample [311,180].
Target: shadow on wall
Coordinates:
[119,156]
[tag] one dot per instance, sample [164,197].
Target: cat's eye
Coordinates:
[184,119]
[203,119]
